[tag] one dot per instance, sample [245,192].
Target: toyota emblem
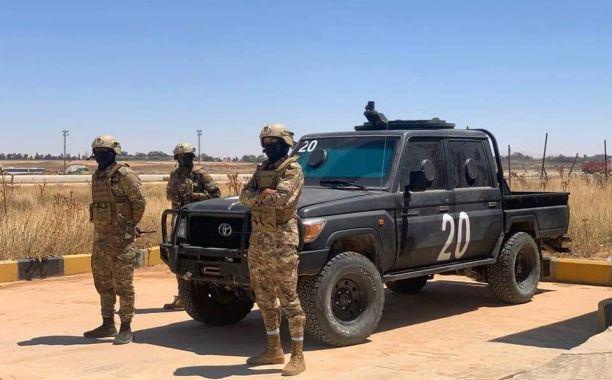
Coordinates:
[225,229]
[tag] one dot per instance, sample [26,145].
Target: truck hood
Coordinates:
[312,201]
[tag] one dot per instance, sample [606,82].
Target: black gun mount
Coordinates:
[378,121]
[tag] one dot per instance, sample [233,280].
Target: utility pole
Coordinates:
[606,161]
[65,133]
[199,131]
[544,156]
[509,169]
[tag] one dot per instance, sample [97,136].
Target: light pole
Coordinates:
[65,133]
[199,131]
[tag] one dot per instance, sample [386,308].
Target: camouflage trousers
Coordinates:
[112,263]
[273,268]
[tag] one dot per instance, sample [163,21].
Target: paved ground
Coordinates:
[454,329]
[590,360]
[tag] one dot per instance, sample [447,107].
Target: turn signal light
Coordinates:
[312,228]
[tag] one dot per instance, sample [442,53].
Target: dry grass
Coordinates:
[590,211]
[46,220]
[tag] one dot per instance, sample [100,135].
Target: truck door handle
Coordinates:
[492,204]
[444,208]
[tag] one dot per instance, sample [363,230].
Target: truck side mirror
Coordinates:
[418,181]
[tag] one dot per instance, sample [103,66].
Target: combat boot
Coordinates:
[105,330]
[272,355]
[177,304]
[125,334]
[296,364]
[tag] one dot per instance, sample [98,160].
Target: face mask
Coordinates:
[185,160]
[104,158]
[276,151]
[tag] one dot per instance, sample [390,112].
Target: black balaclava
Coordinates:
[277,150]
[105,157]
[185,161]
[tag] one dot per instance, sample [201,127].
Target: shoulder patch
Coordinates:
[124,170]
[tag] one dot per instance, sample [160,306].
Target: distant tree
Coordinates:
[157,155]
[207,158]
[248,158]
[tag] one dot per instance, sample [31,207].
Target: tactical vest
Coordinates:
[106,209]
[268,219]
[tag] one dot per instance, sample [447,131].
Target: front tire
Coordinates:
[514,277]
[344,302]
[214,306]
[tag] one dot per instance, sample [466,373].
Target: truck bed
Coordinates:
[545,213]
[529,199]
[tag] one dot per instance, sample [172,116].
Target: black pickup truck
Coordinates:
[391,203]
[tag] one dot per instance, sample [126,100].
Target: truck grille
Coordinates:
[213,232]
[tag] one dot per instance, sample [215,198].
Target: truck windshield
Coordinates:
[361,160]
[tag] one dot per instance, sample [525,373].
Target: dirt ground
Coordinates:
[454,329]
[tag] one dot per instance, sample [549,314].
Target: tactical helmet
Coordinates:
[277,130]
[106,141]
[184,148]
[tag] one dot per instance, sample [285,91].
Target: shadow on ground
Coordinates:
[153,310]
[439,299]
[62,340]
[222,371]
[565,335]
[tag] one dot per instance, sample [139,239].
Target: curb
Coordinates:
[604,313]
[55,266]
[586,272]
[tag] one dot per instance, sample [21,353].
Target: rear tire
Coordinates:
[515,275]
[344,302]
[211,305]
[408,286]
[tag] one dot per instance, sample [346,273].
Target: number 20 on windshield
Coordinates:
[308,146]
[448,220]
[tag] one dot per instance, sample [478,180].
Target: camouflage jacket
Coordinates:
[120,185]
[190,186]
[288,191]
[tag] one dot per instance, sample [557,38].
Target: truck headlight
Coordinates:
[312,228]
[181,231]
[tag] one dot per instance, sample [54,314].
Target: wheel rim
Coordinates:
[348,300]
[220,296]
[523,266]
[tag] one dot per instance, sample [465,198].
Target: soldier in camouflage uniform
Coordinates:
[118,204]
[187,185]
[272,195]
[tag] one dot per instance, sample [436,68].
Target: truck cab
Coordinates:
[389,204]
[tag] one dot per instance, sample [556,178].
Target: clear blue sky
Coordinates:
[152,72]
